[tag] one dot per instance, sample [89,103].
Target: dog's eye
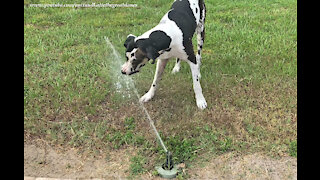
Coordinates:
[132,54]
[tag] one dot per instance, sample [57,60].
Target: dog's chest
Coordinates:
[176,50]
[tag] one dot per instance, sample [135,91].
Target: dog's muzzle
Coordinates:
[123,72]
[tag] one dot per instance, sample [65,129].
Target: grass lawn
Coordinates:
[249,79]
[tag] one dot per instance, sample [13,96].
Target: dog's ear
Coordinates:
[129,40]
[152,53]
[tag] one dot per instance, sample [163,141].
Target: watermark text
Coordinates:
[93,5]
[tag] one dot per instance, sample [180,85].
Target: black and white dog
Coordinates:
[172,37]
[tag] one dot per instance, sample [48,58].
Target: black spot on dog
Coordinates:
[154,85]
[202,35]
[157,41]
[199,52]
[196,10]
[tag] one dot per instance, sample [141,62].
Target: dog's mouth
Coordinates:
[133,72]
[130,73]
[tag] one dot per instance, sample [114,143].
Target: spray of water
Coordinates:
[125,84]
[122,84]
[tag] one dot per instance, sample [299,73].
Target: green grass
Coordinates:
[248,73]
[136,165]
[293,148]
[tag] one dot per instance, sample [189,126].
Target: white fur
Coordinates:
[201,101]
[177,67]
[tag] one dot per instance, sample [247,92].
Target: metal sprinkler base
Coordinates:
[168,174]
[168,170]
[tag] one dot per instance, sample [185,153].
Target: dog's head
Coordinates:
[137,55]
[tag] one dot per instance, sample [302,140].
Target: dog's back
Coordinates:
[187,14]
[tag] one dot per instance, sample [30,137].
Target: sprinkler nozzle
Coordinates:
[169,163]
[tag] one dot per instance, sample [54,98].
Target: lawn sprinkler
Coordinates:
[168,170]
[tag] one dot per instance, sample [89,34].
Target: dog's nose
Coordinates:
[123,72]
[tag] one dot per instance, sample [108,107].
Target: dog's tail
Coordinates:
[202,10]
[202,17]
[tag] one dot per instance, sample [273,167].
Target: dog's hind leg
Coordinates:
[161,64]
[195,70]
[201,101]
[177,66]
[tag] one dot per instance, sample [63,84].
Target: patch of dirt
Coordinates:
[254,166]
[45,161]
[54,163]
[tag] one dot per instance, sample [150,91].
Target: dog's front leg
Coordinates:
[195,69]
[161,64]
[177,66]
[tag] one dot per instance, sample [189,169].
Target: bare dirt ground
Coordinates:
[255,166]
[70,164]
[47,162]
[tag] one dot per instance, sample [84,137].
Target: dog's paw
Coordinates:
[146,97]
[175,69]
[201,103]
